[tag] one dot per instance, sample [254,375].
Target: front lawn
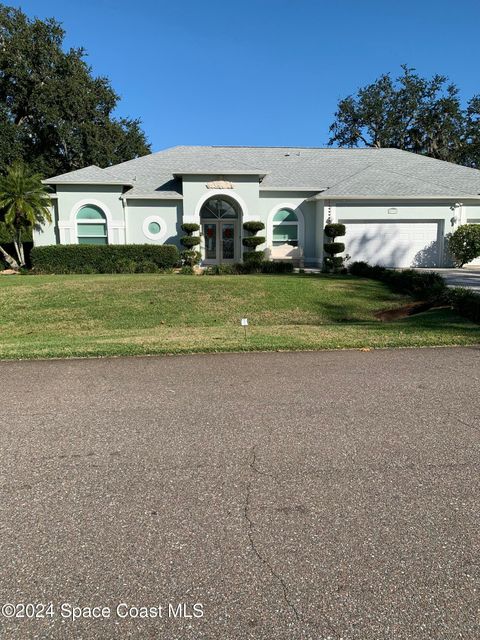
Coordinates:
[93,315]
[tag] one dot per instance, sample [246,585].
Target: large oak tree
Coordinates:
[54,114]
[423,115]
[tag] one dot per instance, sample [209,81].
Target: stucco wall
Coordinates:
[168,213]
[127,222]
[70,198]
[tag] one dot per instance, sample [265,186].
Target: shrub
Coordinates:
[190,257]
[187,270]
[253,226]
[221,270]
[190,241]
[190,227]
[422,285]
[334,230]
[359,268]
[331,262]
[277,267]
[465,302]
[246,268]
[253,241]
[122,265]
[464,243]
[90,258]
[254,257]
[146,266]
[334,247]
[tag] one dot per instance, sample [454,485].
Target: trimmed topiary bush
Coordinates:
[333,248]
[333,263]
[190,241]
[190,257]
[252,242]
[254,257]
[190,227]
[334,230]
[90,258]
[253,226]
[464,243]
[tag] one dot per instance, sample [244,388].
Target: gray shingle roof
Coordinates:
[335,172]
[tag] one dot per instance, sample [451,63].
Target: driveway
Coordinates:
[468,277]
[281,495]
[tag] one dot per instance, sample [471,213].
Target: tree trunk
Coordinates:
[19,249]
[17,241]
[12,263]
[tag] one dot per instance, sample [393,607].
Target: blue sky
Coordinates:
[260,72]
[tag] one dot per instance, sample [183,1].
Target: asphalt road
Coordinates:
[311,495]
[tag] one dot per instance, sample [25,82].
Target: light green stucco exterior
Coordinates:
[128,218]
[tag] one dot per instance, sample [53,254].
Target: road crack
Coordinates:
[256,551]
[251,531]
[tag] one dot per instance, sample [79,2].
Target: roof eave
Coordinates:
[170,196]
[223,172]
[120,183]
[387,196]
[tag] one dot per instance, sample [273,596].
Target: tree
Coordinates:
[464,243]
[412,113]
[24,203]
[54,114]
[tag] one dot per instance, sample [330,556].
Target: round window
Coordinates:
[154,228]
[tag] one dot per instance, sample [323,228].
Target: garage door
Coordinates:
[393,244]
[475,262]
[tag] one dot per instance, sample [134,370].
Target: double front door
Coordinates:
[220,241]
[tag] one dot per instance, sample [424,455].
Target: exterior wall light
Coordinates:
[392,210]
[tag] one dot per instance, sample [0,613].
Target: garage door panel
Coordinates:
[393,244]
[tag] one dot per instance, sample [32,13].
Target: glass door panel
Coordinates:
[210,234]
[228,241]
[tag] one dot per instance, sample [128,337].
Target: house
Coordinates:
[398,207]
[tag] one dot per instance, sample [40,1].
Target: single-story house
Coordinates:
[398,207]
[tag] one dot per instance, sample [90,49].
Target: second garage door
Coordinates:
[393,244]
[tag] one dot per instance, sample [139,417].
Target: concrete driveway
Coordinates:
[468,277]
[282,496]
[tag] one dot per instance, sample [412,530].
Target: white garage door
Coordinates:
[475,262]
[393,244]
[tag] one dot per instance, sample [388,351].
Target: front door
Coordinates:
[220,241]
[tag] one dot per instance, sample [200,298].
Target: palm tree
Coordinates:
[24,203]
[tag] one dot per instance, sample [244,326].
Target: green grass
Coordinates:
[100,315]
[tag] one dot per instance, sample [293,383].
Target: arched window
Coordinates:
[91,226]
[218,208]
[285,228]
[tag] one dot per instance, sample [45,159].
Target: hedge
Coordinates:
[90,258]
[465,302]
[424,285]
[269,266]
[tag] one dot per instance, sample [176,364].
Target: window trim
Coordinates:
[296,209]
[69,231]
[98,221]
[154,236]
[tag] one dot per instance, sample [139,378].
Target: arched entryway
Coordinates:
[220,219]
